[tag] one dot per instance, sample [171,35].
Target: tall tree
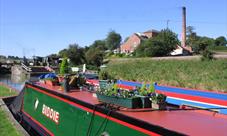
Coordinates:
[201,44]
[63,53]
[113,40]
[100,44]
[94,55]
[75,53]
[191,36]
[220,41]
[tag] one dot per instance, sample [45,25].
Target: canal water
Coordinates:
[15,81]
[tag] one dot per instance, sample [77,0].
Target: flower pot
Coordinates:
[158,106]
[124,102]
[146,102]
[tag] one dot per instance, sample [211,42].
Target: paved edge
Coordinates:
[14,122]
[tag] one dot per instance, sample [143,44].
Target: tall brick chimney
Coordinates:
[183,41]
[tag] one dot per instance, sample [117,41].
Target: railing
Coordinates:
[28,69]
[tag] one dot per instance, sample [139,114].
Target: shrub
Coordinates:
[104,75]
[207,55]
[64,68]
[161,45]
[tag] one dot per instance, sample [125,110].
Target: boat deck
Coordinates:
[189,122]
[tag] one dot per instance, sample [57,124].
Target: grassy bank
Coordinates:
[6,91]
[206,75]
[218,48]
[6,127]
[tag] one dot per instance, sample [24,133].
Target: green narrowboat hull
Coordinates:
[49,111]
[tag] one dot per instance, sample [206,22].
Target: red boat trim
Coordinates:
[126,86]
[195,98]
[37,122]
[97,113]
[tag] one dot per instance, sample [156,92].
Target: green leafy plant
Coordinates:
[158,98]
[151,88]
[64,68]
[104,75]
[143,90]
[113,90]
[207,55]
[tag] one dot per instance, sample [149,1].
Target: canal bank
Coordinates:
[8,125]
[10,86]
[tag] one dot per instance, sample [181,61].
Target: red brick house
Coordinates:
[134,40]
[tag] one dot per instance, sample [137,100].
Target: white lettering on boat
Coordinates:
[50,113]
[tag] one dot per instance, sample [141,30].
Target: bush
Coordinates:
[207,55]
[161,45]
[104,75]
[201,45]
[64,68]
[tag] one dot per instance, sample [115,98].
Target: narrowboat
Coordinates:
[51,111]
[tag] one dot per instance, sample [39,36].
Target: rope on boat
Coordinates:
[105,120]
[91,121]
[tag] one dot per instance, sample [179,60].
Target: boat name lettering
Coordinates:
[50,113]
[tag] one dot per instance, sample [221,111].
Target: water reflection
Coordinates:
[15,81]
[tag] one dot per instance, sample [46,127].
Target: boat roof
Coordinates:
[189,122]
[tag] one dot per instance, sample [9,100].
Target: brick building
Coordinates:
[135,39]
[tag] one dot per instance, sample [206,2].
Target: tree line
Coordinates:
[161,45]
[94,54]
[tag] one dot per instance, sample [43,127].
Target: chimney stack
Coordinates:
[183,42]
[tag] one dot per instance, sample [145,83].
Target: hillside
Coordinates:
[205,75]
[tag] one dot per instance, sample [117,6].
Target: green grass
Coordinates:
[218,48]
[205,75]
[6,127]
[6,92]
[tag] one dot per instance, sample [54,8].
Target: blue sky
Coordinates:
[42,27]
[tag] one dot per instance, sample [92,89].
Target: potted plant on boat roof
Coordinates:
[64,69]
[110,93]
[144,93]
[158,101]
